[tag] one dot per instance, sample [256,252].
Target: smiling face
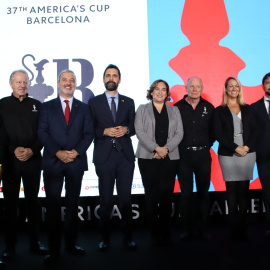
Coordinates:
[66,85]
[19,84]
[232,89]
[159,93]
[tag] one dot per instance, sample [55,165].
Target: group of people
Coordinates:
[173,140]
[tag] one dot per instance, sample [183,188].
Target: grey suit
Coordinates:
[158,175]
[145,131]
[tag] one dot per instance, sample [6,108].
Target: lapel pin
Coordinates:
[122,100]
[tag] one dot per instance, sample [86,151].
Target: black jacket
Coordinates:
[3,144]
[224,129]
[20,121]
[263,124]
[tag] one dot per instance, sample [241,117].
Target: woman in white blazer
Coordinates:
[159,130]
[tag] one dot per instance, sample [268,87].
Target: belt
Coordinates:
[195,148]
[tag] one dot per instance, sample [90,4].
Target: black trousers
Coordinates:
[29,172]
[263,164]
[237,200]
[199,163]
[158,177]
[53,183]
[116,169]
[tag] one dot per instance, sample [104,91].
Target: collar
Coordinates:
[109,96]
[26,96]
[184,99]
[69,99]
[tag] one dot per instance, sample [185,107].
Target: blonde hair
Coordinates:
[240,98]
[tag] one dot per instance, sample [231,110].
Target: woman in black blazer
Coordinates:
[235,130]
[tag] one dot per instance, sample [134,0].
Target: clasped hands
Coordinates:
[242,150]
[23,154]
[161,152]
[67,156]
[115,132]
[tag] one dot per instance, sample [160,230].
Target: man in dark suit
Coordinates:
[2,158]
[113,117]
[66,131]
[19,120]
[261,110]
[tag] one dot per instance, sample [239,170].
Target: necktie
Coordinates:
[113,110]
[268,107]
[67,111]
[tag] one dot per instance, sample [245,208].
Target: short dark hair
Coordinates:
[153,86]
[112,66]
[265,77]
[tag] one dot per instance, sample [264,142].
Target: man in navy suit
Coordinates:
[113,116]
[66,131]
[261,110]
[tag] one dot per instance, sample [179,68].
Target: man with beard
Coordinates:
[195,157]
[262,113]
[113,116]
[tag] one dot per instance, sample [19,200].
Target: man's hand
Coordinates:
[115,132]
[23,154]
[120,131]
[66,156]
[73,153]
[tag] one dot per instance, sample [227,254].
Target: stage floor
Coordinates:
[218,254]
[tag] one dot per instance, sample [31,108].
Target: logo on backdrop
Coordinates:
[41,90]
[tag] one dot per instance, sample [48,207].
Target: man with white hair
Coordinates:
[195,157]
[19,118]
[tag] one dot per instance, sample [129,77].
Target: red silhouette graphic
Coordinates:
[205,23]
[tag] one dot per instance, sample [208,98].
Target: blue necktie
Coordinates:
[113,110]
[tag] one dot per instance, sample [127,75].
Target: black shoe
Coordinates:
[267,234]
[131,244]
[8,254]
[103,245]
[2,265]
[205,236]
[156,239]
[186,236]
[76,250]
[51,258]
[38,248]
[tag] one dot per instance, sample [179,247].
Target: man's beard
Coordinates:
[267,92]
[111,86]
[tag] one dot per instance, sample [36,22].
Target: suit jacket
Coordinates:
[263,125]
[224,129]
[145,131]
[3,145]
[102,118]
[56,135]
